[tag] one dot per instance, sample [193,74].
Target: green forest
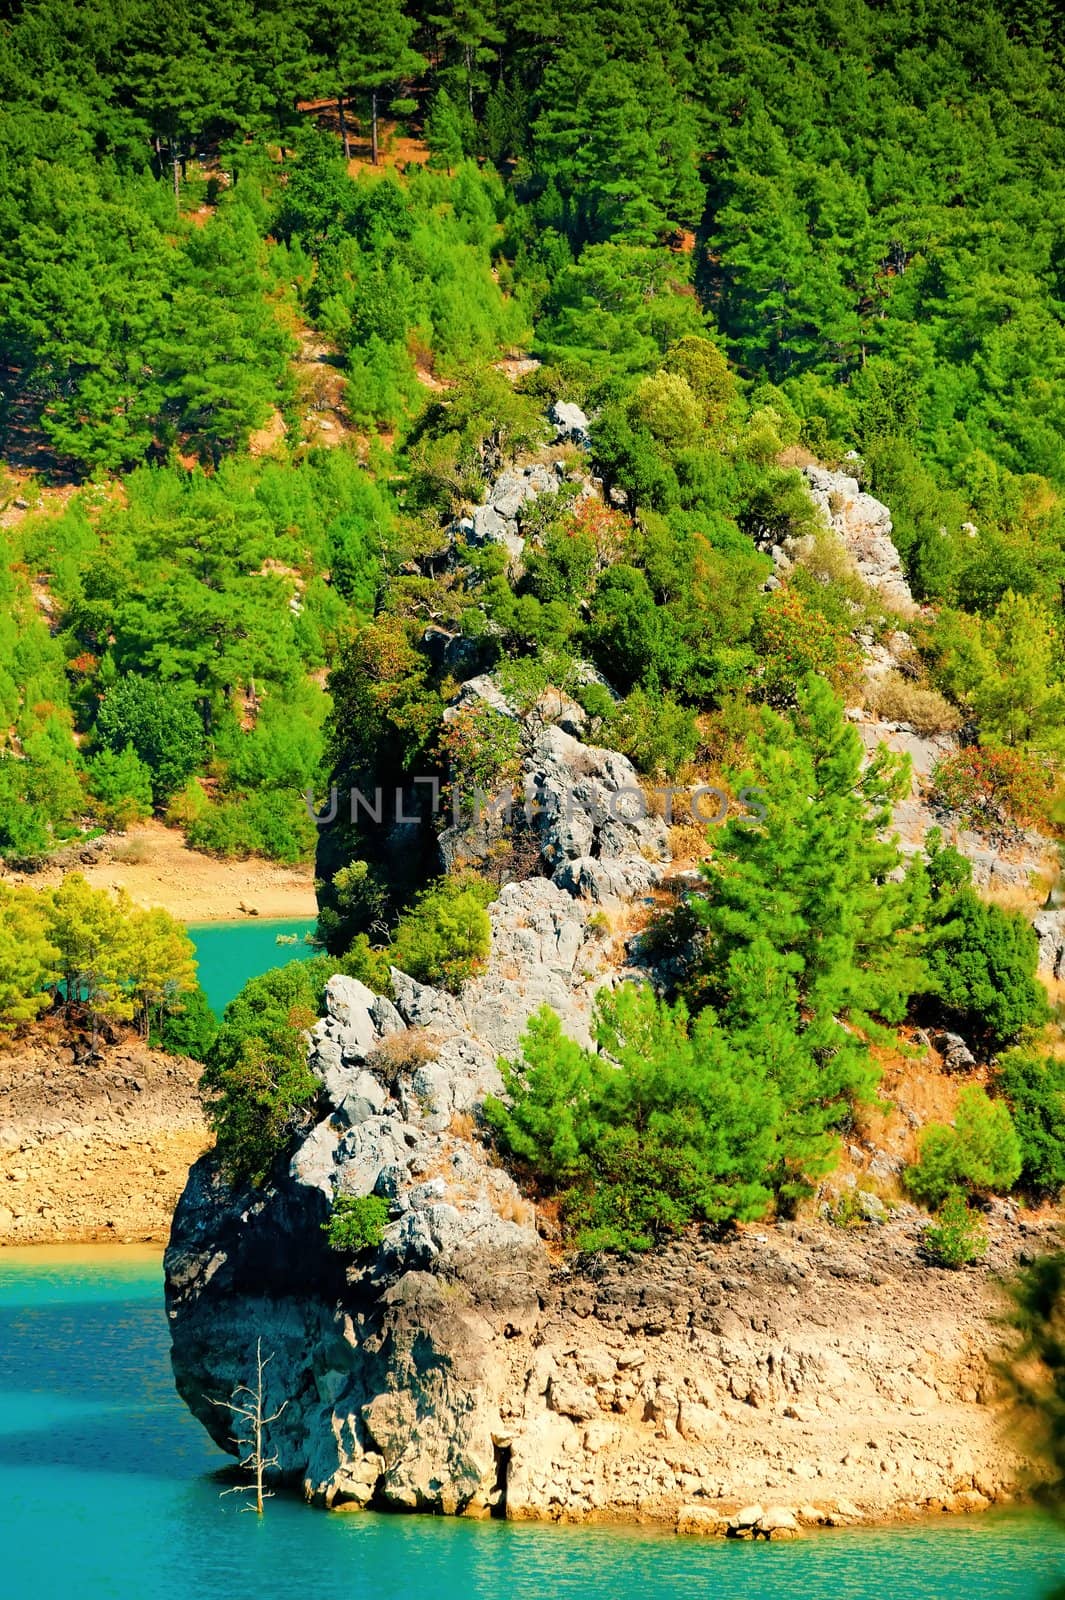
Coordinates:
[282,288]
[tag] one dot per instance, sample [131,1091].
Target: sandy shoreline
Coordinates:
[157,868]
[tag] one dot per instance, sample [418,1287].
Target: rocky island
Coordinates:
[463,1368]
[746,1380]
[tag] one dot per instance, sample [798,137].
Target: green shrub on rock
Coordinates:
[256,1079]
[446,935]
[663,1126]
[981,966]
[1034,1087]
[356,1222]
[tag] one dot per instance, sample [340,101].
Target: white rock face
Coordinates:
[571,424]
[864,526]
[1050,930]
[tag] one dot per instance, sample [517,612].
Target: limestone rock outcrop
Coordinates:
[863,525]
[580,810]
[745,1386]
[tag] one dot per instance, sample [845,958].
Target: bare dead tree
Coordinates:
[246,1407]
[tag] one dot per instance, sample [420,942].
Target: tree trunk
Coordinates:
[469,77]
[343,127]
[373,126]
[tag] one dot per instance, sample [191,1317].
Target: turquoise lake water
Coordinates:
[107,1492]
[229,953]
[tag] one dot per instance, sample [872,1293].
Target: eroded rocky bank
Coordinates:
[94,1149]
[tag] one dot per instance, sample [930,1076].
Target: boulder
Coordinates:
[743,1524]
[571,424]
[487,526]
[351,1004]
[571,1399]
[957,1057]
[420,1006]
[480,691]
[778,1523]
[588,801]
[542,953]
[618,878]
[706,1521]
[1050,931]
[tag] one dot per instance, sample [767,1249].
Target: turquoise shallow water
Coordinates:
[107,1493]
[229,953]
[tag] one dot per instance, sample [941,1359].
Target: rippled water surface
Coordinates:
[107,1489]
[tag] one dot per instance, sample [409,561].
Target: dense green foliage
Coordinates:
[444,936]
[864,204]
[356,1222]
[957,1237]
[1033,1087]
[732,236]
[89,949]
[256,1079]
[980,1152]
[666,1125]
[190,1030]
[980,961]
[194,615]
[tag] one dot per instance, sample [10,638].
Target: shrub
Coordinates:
[189,1029]
[898,699]
[121,787]
[981,964]
[980,1153]
[272,823]
[854,1208]
[356,1222]
[655,731]
[793,639]
[663,1126]
[29,960]
[364,961]
[993,789]
[480,747]
[159,723]
[1034,1087]
[445,936]
[956,1238]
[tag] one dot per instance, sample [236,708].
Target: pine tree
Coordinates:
[446,131]
[28,958]
[811,877]
[91,931]
[160,965]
